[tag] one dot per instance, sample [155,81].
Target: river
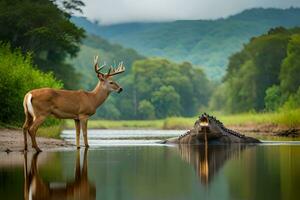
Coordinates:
[123,165]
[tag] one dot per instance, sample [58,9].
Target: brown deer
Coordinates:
[36,188]
[68,104]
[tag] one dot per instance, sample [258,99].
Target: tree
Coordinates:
[45,30]
[166,101]
[273,98]
[290,69]
[267,60]
[146,110]
[17,76]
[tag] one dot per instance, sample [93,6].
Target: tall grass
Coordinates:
[119,124]
[287,118]
[50,131]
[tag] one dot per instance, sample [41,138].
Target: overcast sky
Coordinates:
[118,11]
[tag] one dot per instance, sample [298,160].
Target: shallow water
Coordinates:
[149,171]
[105,137]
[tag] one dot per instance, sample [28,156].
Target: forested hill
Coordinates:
[206,43]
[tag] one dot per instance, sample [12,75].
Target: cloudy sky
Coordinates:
[118,11]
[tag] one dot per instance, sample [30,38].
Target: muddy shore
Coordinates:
[267,130]
[13,140]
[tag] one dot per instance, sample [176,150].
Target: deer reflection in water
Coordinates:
[36,188]
[208,159]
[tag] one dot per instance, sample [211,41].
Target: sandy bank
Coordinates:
[13,140]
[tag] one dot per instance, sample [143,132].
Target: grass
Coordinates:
[289,119]
[119,124]
[50,131]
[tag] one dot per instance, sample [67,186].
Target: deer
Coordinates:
[35,187]
[78,105]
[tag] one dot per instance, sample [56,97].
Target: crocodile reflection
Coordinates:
[36,188]
[208,159]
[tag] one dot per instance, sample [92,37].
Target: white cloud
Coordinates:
[119,11]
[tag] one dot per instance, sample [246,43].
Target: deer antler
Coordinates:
[97,68]
[113,71]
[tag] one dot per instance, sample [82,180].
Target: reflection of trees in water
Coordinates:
[36,188]
[208,159]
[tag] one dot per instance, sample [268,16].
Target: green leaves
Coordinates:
[17,77]
[45,30]
[290,69]
[163,87]
[263,74]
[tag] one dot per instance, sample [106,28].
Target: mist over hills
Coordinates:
[205,43]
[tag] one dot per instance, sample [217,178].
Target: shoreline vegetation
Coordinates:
[254,122]
[260,125]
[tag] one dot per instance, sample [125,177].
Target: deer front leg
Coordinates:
[77,126]
[84,130]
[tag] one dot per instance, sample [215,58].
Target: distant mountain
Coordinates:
[207,43]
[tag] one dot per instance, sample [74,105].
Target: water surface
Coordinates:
[146,172]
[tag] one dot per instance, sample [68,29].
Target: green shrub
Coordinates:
[146,110]
[17,77]
[272,98]
[293,102]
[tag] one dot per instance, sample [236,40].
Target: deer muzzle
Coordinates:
[120,90]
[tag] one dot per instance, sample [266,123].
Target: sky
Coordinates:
[120,11]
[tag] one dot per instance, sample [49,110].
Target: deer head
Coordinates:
[106,79]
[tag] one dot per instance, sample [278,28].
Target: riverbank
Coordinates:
[267,123]
[13,140]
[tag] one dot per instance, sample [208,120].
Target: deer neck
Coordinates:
[99,94]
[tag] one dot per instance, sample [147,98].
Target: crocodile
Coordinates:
[208,129]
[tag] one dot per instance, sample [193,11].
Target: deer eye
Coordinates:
[110,82]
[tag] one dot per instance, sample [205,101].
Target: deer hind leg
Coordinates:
[84,130]
[27,124]
[33,129]
[77,126]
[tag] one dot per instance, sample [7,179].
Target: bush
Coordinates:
[293,102]
[146,110]
[17,77]
[272,98]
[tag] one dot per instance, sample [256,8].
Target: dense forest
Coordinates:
[205,43]
[263,76]
[158,88]
[36,38]
[40,46]
[45,30]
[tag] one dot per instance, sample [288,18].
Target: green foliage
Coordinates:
[17,77]
[293,101]
[45,30]
[166,101]
[290,70]
[267,60]
[146,110]
[108,110]
[272,98]
[206,43]
[173,89]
